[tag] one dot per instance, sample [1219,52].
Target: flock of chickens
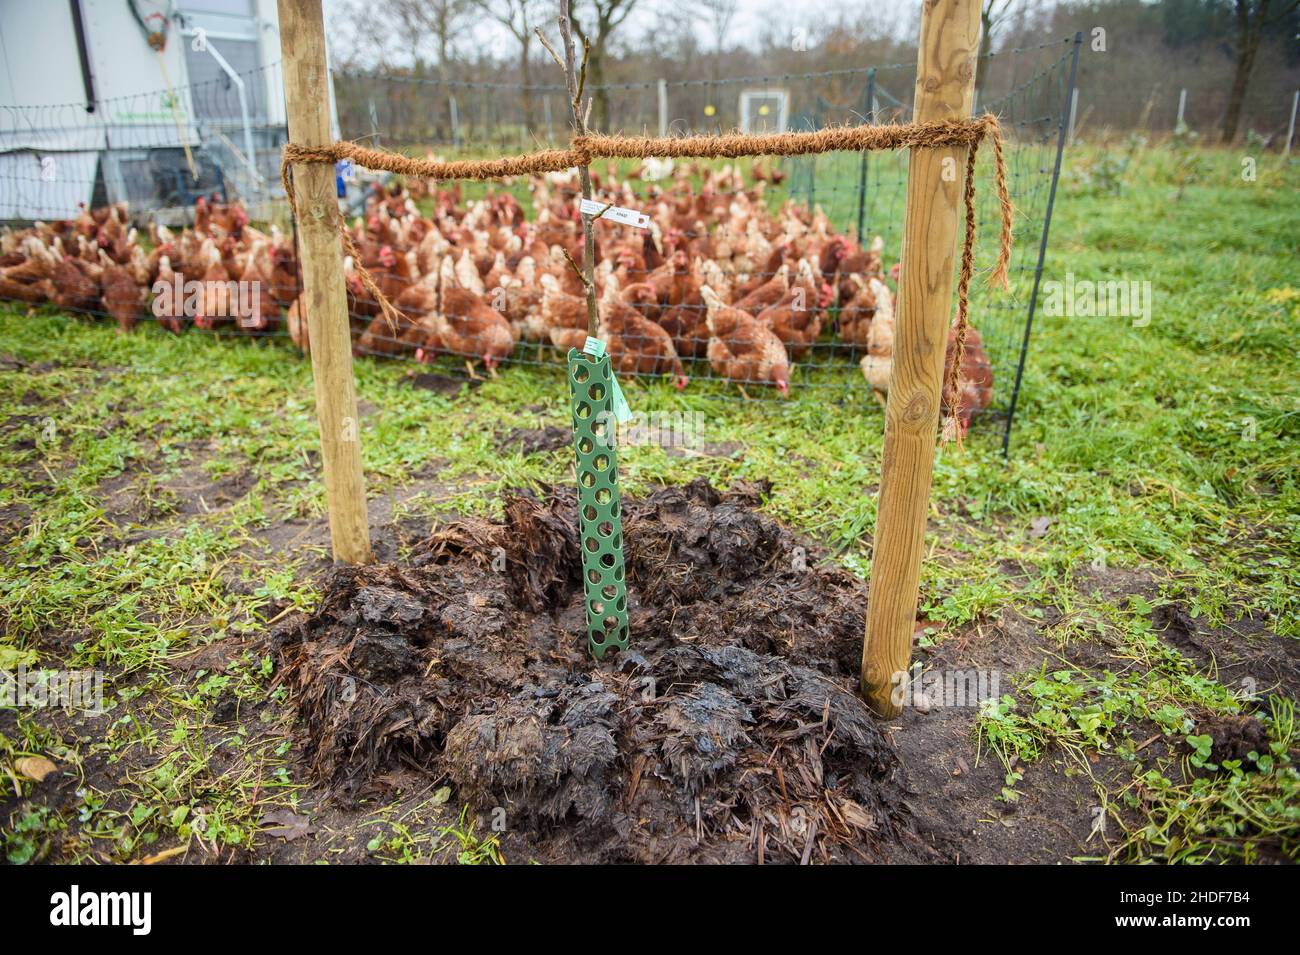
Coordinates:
[716,276]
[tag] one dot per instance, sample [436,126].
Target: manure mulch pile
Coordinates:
[730,731]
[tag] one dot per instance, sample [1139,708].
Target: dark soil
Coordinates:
[440,384]
[1235,737]
[731,732]
[1246,655]
[535,440]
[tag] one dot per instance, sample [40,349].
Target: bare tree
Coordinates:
[517,16]
[992,14]
[1252,18]
[442,19]
[718,14]
[605,17]
[408,26]
[362,37]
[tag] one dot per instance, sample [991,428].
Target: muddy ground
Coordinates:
[731,733]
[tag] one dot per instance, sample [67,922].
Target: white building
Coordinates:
[91,112]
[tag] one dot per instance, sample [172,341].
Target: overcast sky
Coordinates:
[752,18]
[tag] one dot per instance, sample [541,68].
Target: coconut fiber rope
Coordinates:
[969,133]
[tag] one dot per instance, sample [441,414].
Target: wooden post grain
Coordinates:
[306,94]
[945,84]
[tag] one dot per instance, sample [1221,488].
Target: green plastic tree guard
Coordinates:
[592,390]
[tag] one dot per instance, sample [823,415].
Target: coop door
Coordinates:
[763,111]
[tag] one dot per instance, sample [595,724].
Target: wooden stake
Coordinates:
[306,94]
[945,84]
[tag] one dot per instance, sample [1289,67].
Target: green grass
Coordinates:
[1170,447]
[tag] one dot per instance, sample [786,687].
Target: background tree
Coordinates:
[992,14]
[519,17]
[442,19]
[1253,17]
[603,18]
[717,16]
[1153,51]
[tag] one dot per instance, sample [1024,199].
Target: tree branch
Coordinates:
[582,75]
[549,49]
[584,173]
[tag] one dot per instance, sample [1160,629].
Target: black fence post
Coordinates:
[1042,242]
[869,114]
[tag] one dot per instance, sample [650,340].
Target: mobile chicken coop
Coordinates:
[145,101]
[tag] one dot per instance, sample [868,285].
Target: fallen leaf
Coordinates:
[286,824]
[442,795]
[35,767]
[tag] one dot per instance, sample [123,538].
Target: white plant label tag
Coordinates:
[590,207]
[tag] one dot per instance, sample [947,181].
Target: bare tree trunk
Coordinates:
[984,62]
[1248,36]
[600,95]
[443,42]
[526,73]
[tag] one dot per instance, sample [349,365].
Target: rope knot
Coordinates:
[580,147]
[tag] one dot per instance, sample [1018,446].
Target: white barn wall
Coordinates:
[42,97]
[37,46]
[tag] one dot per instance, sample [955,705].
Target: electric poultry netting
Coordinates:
[807,247]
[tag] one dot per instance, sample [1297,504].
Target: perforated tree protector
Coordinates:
[600,513]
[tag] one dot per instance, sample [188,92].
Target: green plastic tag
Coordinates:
[600,511]
[622,411]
